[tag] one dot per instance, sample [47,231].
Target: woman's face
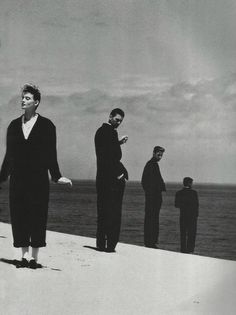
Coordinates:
[28,102]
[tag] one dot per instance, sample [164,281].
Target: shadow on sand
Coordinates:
[13,262]
[16,263]
[92,247]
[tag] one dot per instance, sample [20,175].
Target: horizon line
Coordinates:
[167,182]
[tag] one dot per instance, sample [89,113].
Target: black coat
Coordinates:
[109,154]
[152,180]
[29,160]
[187,200]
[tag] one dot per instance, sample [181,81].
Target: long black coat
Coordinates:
[187,200]
[27,162]
[31,157]
[109,189]
[152,181]
[108,154]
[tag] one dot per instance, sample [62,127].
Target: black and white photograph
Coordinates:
[117,157]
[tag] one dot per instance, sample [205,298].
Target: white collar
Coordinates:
[31,120]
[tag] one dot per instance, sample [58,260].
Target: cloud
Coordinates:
[184,125]
[56,23]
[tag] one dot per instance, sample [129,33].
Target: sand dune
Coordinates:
[79,280]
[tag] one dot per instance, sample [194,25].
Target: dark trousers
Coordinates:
[109,209]
[29,210]
[188,229]
[151,221]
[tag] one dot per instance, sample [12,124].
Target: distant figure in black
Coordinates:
[187,200]
[110,181]
[153,186]
[30,154]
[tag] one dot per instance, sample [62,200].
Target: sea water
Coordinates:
[73,211]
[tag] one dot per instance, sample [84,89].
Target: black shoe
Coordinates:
[34,265]
[110,250]
[151,246]
[101,249]
[23,263]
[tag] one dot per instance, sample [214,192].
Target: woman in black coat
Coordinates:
[30,154]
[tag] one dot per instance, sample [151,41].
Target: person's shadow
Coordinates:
[13,262]
[92,247]
[16,262]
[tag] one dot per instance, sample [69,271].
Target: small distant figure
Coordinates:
[153,185]
[110,181]
[186,200]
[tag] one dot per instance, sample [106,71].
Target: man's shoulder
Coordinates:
[103,129]
[192,191]
[105,126]
[179,192]
[150,162]
[187,192]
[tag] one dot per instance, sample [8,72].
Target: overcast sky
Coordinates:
[170,64]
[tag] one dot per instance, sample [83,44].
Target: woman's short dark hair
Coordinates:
[117,111]
[33,89]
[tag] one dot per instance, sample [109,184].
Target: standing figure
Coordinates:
[110,181]
[187,200]
[153,186]
[30,154]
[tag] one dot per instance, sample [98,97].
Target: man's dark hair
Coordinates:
[187,181]
[33,89]
[117,111]
[158,149]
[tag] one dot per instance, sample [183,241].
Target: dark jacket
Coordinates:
[152,180]
[187,200]
[109,154]
[31,157]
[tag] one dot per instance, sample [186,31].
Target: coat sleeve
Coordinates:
[147,179]
[123,170]
[108,163]
[5,169]
[177,200]
[52,157]
[163,185]
[102,141]
[196,203]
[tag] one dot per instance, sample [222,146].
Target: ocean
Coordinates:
[73,211]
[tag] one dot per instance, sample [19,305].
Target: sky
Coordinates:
[169,64]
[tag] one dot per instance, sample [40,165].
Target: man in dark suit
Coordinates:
[30,154]
[110,181]
[153,186]
[187,200]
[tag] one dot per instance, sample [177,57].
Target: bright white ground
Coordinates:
[134,280]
